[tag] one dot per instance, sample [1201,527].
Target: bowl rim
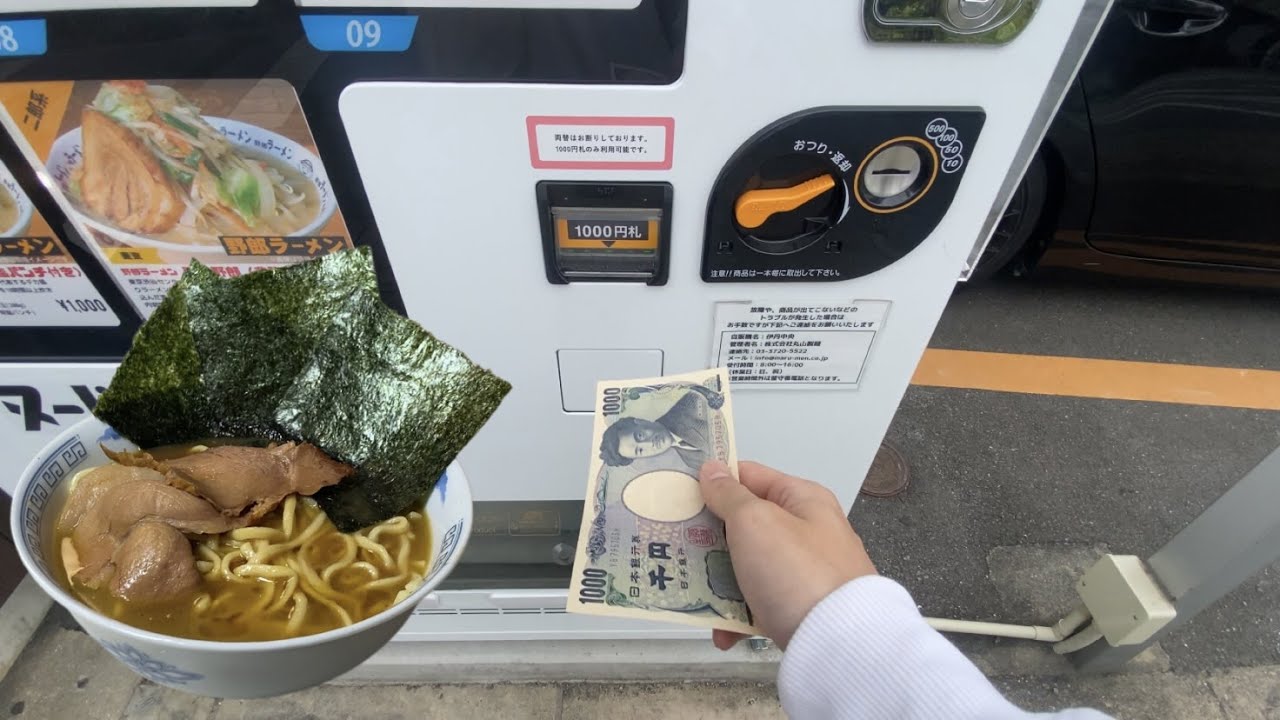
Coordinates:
[73,604]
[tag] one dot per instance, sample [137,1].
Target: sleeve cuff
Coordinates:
[866,652]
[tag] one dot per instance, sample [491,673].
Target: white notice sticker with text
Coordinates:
[787,345]
[601,143]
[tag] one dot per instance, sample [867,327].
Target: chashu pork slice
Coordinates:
[249,482]
[154,563]
[109,504]
[123,181]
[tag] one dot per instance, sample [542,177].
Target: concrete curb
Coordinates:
[20,617]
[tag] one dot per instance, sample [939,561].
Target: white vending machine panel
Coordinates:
[576,191]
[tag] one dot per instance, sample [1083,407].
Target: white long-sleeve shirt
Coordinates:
[865,652]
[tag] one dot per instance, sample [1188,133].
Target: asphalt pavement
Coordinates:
[1013,494]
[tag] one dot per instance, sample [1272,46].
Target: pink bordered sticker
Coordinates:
[600,143]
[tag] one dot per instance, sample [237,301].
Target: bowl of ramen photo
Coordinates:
[147,168]
[15,206]
[210,568]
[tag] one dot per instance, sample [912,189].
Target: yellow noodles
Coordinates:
[394,526]
[266,593]
[290,586]
[321,593]
[271,572]
[258,533]
[402,558]
[293,574]
[208,555]
[290,508]
[296,569]
[298,615]
[349,550]
[374,549]
[317,524]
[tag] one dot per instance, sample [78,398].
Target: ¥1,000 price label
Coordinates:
[41,284]
[83,305]
[51,295]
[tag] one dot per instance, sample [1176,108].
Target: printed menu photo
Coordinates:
[41,285]
[157,173]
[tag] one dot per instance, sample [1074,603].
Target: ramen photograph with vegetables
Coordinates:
[152,165]
[182,170]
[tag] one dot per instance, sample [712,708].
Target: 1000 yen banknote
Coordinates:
[649,547]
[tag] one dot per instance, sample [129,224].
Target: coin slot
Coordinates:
[896,175]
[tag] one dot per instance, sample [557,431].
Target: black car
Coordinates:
[1164,159]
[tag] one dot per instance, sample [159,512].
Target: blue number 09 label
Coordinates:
[359,33]
[23,37]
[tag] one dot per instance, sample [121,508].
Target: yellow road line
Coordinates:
[1108,379]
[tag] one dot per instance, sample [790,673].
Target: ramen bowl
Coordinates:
[21,203]
[203,667]
[67,154]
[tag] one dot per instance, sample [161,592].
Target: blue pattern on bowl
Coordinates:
[442,485]
[56,466]
[447,547]
[153,669]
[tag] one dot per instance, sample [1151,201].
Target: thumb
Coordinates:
[721,490]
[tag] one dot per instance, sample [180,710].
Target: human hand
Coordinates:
[790,541]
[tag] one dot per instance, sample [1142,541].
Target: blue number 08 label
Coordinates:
[23,37]
[359,33]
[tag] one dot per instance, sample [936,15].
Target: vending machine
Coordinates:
[566,190]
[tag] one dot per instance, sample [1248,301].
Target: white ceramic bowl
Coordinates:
[218,669]
[66,154]
[20,199]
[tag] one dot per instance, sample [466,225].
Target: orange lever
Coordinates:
[756,206]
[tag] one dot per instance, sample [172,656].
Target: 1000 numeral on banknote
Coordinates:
[649,547]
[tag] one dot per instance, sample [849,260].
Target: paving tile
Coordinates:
[157,702]
[1248,693]
[693,701]
[1000,657]
[400,702]
[1129,696]
[21,614]
[1036,582]
[63,673]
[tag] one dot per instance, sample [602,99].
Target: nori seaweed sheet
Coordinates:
[254,333]
[157,395]
[385,396]
[305,353]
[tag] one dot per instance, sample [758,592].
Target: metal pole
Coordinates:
[1236,537]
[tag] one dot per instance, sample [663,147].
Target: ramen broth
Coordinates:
[291,574]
